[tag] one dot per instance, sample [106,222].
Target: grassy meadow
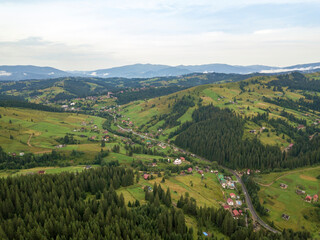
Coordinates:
[278,201]
[26,130]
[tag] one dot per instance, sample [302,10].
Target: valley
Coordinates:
[277,123]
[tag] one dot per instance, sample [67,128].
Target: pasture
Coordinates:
[303,215]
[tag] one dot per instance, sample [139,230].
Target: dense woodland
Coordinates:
[82,206]
[29,160]
[217,134]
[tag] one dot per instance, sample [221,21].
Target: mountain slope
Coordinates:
[20,72]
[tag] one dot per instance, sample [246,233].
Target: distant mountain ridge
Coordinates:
[24,72]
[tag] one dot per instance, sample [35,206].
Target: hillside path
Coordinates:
[29,139]
[285,174]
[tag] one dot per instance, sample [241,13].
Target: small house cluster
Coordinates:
[226,182]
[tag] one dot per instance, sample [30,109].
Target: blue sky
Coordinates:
[86,35]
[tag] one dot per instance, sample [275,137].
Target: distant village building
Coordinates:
[315,198]
[146,176]
[177,162]
[41,172]
[232,195]
[189,170]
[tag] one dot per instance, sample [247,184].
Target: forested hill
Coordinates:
[266,122]
[124,89]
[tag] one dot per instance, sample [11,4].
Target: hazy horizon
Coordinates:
[81,35]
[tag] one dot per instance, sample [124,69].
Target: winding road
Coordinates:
[254,214]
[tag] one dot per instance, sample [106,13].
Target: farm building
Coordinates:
[285,217]
[300,192]
[283,186]
[308,198]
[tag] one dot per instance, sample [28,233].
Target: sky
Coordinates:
[95,34]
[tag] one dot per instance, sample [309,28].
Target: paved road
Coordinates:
[254,214]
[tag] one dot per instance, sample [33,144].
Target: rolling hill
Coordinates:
[24,72]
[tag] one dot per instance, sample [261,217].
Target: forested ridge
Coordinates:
[217,134]
[82,206]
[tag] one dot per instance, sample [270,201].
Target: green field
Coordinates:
[36,131]
[211,195]
[48,170]
[278,201]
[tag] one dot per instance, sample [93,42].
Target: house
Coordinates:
[205,234]
[231,185]
[41,172]
[230,202]
[283,186]
[285,217]
[146,176]
[315,198]
[182,173]
[300,192]
[232,195]
[21,154]
[236,213]
[248,171]
[238,202]
[154,164]
[240,211]
[226,207]
[200,171]
[300,127]
[189,170]
[87,167]
[177,162]
[182,158]
[308,198]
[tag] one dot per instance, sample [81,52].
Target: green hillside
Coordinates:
[246,98]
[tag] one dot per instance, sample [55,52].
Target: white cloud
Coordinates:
[87,35]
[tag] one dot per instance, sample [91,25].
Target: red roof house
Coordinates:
[41,172]
[226,207]
[308,198]
[230,202]
[145,176]
[232,195]
[200,171]
[235,213]
[190,170]
[182,158]
[315,198]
